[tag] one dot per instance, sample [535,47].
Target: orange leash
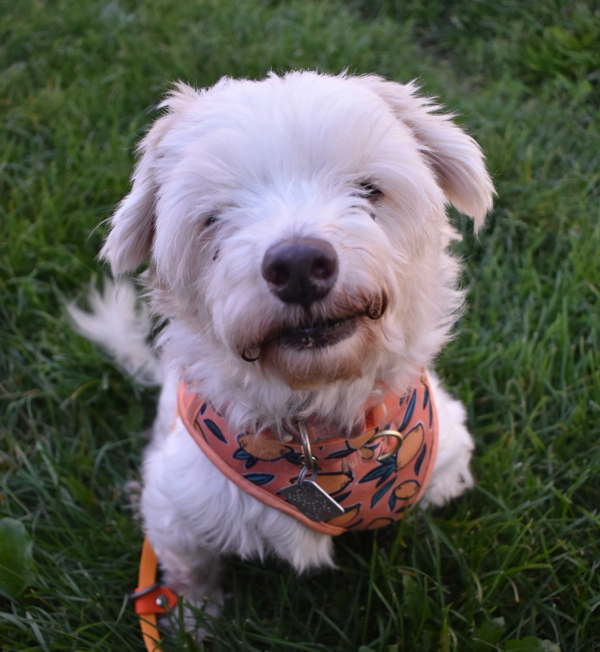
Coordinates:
[151,598]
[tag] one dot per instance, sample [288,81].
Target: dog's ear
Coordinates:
[132,225]
[455,157]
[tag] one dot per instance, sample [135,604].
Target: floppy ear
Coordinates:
[132,225]
[455,157]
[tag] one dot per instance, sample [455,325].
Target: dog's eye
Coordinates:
[211,218]
[370,191]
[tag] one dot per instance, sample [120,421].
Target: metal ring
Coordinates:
[307,458]
[162,601]
[302,474]
[398,443]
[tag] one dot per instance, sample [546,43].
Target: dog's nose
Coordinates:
[302,270]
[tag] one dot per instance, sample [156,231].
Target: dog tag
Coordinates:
[313,501]
[306,495]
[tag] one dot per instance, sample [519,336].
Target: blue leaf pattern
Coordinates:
[293,457]
[381,472]
[259,478]
[392,501]
[380,493]
[250,460]
[214,428]
[420,459]
[409,412]
[342,497]
[342,453]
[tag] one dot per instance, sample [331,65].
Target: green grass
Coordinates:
[513,565]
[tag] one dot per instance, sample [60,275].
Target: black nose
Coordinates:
[302,270]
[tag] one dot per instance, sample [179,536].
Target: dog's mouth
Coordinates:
[318,333]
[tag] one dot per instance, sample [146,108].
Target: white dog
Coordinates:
[297,238]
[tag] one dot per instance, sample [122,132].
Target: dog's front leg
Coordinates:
[188,567]
[180,506]
[194,573]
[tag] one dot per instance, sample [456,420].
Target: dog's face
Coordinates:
[296,226]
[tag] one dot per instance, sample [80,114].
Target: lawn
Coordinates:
[513,564]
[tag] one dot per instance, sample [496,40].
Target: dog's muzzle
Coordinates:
[301,272]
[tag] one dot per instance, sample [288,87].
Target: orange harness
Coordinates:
[372,478]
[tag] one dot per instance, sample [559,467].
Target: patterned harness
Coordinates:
[373,477]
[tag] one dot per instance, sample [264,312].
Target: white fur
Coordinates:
[267,161]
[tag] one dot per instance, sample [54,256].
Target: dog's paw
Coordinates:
[194,574]
[450,481]
[196,616]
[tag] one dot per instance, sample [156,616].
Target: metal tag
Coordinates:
[313,501]
[306,495]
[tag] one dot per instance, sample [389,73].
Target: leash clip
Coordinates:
[153,599]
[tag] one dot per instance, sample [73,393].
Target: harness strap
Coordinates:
[151,598]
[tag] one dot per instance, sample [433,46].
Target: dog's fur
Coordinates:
[361,163]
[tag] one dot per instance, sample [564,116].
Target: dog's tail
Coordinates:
[121,328]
